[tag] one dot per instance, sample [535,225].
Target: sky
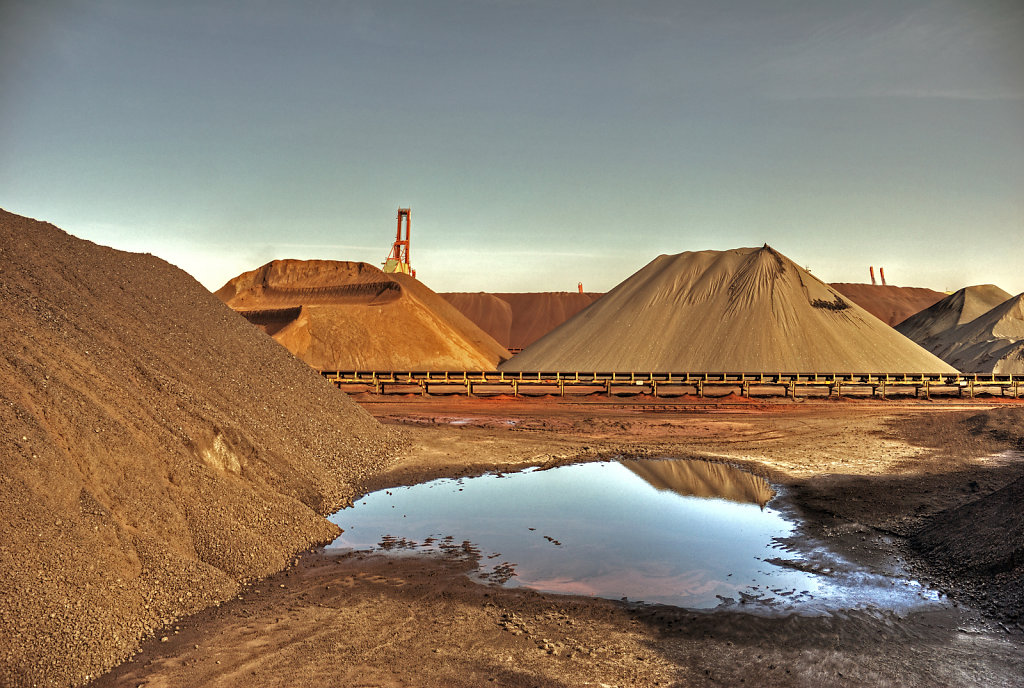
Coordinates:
[538,143]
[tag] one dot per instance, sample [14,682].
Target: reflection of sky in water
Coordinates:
[594,529]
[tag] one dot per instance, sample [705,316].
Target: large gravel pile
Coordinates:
[157,450]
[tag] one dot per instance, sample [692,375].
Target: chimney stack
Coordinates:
[872,269]
[881,273]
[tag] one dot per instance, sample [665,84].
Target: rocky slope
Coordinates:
[157,451]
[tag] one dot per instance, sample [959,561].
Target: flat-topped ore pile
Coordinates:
[977,329]
[888,303]
[518,319]
[158,451]
[744,310]
[340,315]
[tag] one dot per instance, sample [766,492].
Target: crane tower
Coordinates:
[398,259]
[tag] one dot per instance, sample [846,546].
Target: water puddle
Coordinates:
[688,533]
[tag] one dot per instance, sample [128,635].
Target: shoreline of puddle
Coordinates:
[801,574]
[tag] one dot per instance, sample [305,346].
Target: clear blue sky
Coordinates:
[538,143]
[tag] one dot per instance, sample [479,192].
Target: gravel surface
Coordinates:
[157,452]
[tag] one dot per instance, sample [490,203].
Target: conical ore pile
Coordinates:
[888,303]
[749,309]
[954,310]
[978,329]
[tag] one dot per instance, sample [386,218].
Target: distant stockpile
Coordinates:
[958,308]
[517,320]
[891,305]
[157,452]
[749,309]
[338,315]
[977,329]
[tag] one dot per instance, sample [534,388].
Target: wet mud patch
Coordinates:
[375,619]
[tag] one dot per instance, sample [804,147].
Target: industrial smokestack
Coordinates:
[580,287]
[881,273]
[872,269]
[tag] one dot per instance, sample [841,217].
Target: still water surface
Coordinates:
[688,533]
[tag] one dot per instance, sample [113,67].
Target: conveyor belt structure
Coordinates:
[542,383]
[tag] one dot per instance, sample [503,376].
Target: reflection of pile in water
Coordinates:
[744,310]
[977,329]
[338,315]
[696,478]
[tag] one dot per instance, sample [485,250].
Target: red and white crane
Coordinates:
[398,259]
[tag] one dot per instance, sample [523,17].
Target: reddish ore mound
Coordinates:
[158,450]
[491,314]
[517,320]
[891,305]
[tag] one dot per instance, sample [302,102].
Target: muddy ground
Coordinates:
[920,486]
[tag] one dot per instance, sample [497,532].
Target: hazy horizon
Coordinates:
[538,144]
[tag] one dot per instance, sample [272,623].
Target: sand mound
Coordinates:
[748,309]
[517,320]
[338,315]
[697,478]
[889,304]
[993,342]
[157,450]
[954,310]
[960,307]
